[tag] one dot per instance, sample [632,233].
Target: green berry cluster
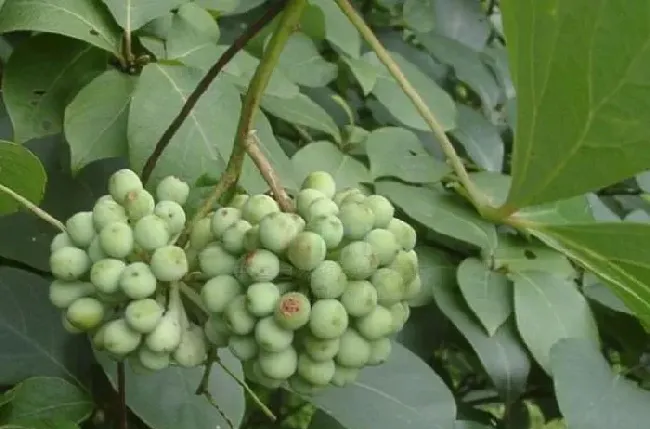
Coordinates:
[306,298]
[116,269]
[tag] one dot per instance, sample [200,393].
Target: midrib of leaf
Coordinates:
[59,77]
[600,258]
[192,115]
[548,303]
[504,355]
[43,5]
[193,49]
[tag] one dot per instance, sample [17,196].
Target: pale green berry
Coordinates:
[359,298]
[344,376]
[238,201]
[219,291]
[123,182]
[60,240]
[328,319]
[69,263]
[167,334]
[376,324]
[216,331]
[201,234]
[137,281]
[105,275]
[151,232]
[173,215]
[62,293]
[171,188]
[244,347]
[292,310]
[233,238]
[85,313]
[116,240]
[119,339]
[257,207]
[272,337]
[239,320]
[224,218]
[139,204]
[169,263]
[321,181]
[318,373]
[305,198]
[80,229]
[404,233]
[382,209]
[261,265]
[95,252]
[261,298]
[153,361]
[107,211]
[215,261]
[354,350]
[320,349]
[379,351]
[276,231]
[143,315]
[279,365]
[192,351]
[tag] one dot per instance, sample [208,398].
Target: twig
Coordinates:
[215,404]
[248,390]
[477,198]
[205,379]
[122,409]
[258,83]
[192,296]
[264,166]
[204,84]
[33,208]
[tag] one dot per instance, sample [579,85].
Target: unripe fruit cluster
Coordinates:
[306,298]
[117,270]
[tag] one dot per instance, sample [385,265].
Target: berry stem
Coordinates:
[288,23]
[192,296]
[254,150]
[215,404]
[33,208]
[477,198]
[267,412]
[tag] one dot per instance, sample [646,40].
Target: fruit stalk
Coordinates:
[264,166]
[477,198]
[287,25]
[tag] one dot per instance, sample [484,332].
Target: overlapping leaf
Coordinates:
[96,120]
[133,14]
[480,139]
[42,77]
[557,302]
[204,141]
[303,64]
[192,27]
[21,172]
[85,20]
[564,51]
[616,252]
[440,212]
[338,29]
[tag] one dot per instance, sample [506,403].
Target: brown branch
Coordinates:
[264,166]
[122,409]
[239,44]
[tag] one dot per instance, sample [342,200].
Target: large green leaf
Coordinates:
[204,141]
[42,76]
[418,14]
[590,394]
[397,152]
[480,139]
[133,14]
[86,20]
[502,354]
[167,399]
[325,156]
[616,252]
[435,268]
[34,342]
[96,121]
[301,110]
[441,212]
[192,27]
[303,64]
[338,29]
[582,117]
[22,172]
[463,21]
[403,392]
[389,93]
[488,293]
[243,66]
[38,400]
[556,302]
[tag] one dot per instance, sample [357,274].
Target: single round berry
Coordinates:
[318,373]
[359,298]
[261,298]
[292,310]
[406,264]
[404,233]
[107,211]
[85,313]
[257,207]
[320,208]
[272,337]
[116,240]
[192,351]
[279,365]
[63,293]
[328,319]
[384,245]
[306,251]
[233,238]
[95,252]
[237,317]
[219,291]
[153,361]
[167,334]
[276,231]
[376,324]
[305,198]
[357,219]
[381,208]
[122,182]
[238,201]
[321,181]
[143,315]
[389,285]
[358,260]
[216,331]
[201,234]
[354,350]
[119,339]
[344,376]
[328,280]
[137,281]
[244,347]
[329,228]
[400,313]
[173,214]
[379,351]
[105,275]
[171,188]
[69,263]
[60,240]
[80,229]
[261,265]
[215,261]
[169,263]
[319,349]
[139,204]
[224,218]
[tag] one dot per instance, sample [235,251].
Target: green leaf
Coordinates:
[96,120]
[467,65]
[225,6]
[204,141]
[435,267]
[516,254]
[488,293]
[347,171]
[42,76]
[42,399]
[22,172]
[85,20]
[389,93]
[480,139]
[463,21]
[365,73]
[555,301]
[243,67]
[466,424]
[31,329]
[43,424]
[599,210]
[590,394]
[133,14]
[167,399]
[418,14]
[615,252]
[597,291]
[301,110]
[338,29]
[386,394]
[605,138]
[251,178]
[643,180]
[398,152]
[191,28]
[303,64]
[502,355]
[441,212]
